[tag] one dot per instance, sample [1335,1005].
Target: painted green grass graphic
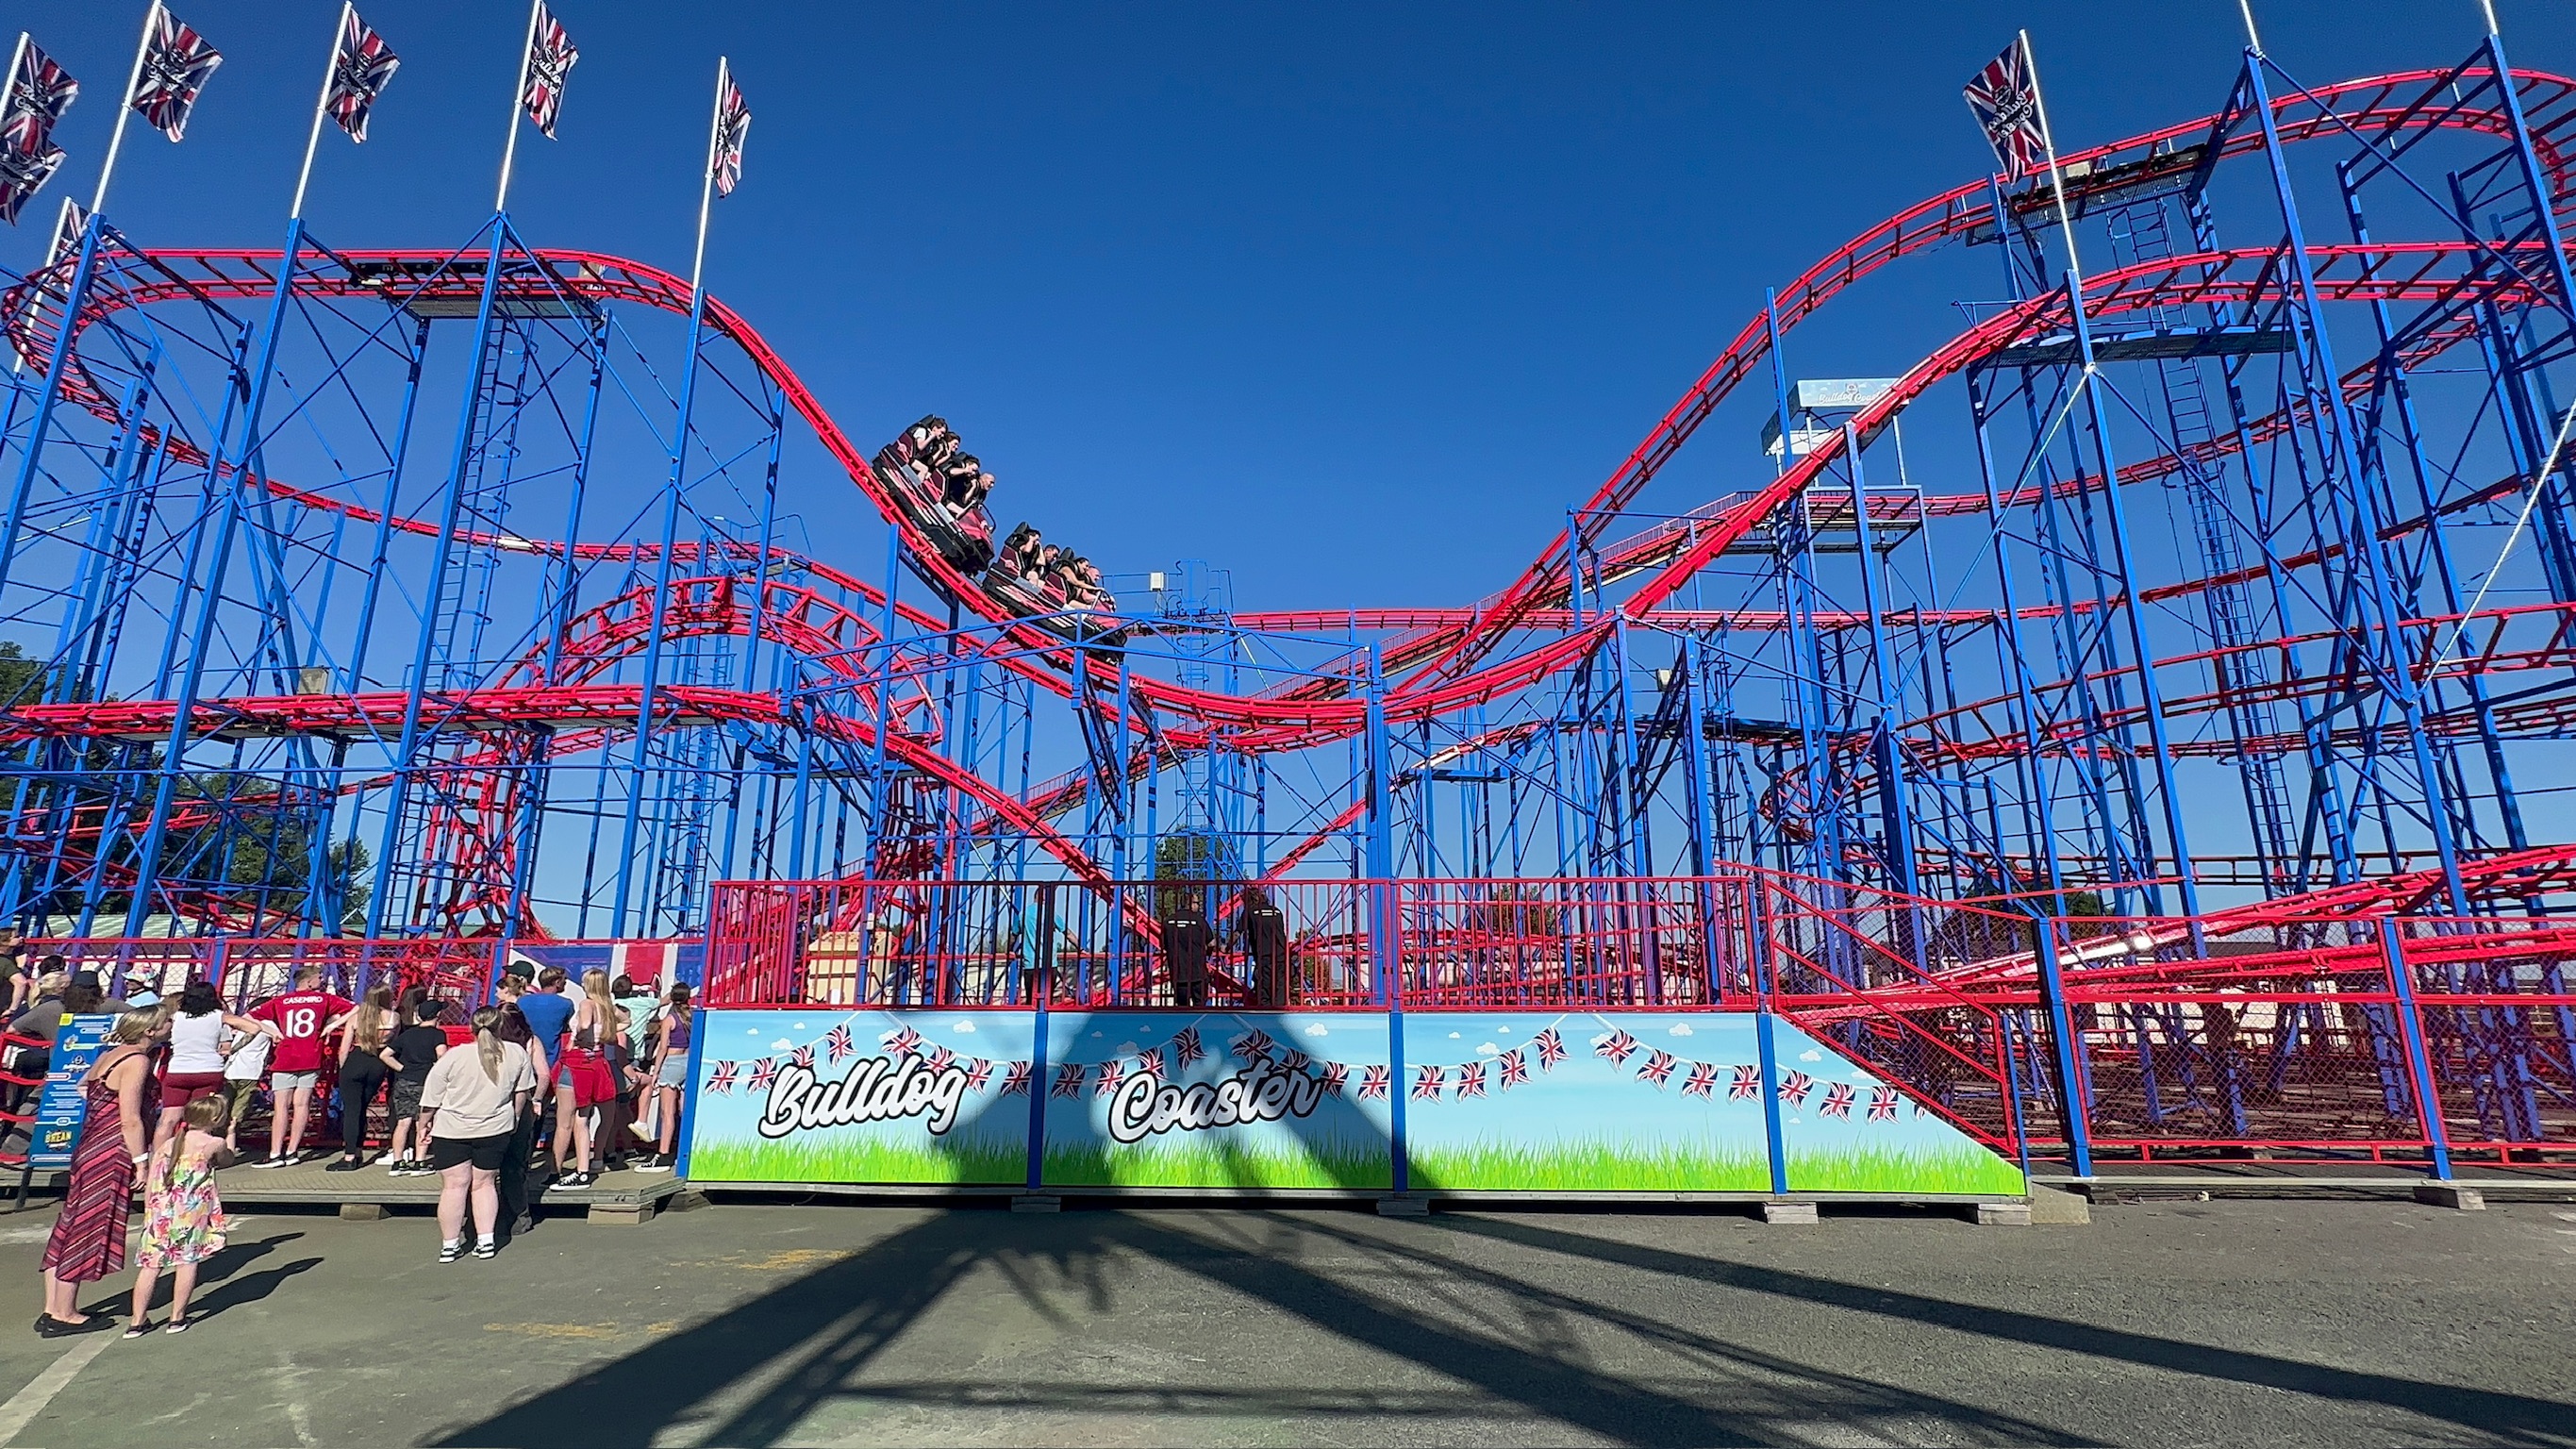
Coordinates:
[858,1159]
[1324,1162]
[1609,1166]
[1960,1169]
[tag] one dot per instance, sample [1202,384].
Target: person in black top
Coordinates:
[1265,940]
[1185,951]
[411,1050]
[514,1163]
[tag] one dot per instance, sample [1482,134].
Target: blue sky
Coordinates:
[1352,300]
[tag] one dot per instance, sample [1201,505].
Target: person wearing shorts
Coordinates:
[470,1110]
[245,1062]
[198,1023]
[416,1046]
[300,1016]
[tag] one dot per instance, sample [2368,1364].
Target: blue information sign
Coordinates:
[60,1110]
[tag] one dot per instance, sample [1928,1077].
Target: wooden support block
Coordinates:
[1036,1202]
[1789,1214]
[1401,1205]
[2002,1215]
[2451,1195]
[364,1212]
[625,1213]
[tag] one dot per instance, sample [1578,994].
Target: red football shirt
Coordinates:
[301,1015]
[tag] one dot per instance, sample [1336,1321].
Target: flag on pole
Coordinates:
[2005,98]
[176,62]
[69,223]
[23,174]
[551,57]
[733,127]
[359,73]
[39,92]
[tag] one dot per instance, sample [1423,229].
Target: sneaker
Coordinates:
[658,1162]
[451,1252]
[141,1327]
[487,1249]
[641,1131]
[270,1162]
[345,1164]
[180,1325]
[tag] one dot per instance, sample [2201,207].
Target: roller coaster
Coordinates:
[2228,583]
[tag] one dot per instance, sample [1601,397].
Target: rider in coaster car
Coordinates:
[958,475]
[922,436]
[967,491]
[1020,552]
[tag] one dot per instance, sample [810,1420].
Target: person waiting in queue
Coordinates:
[1265,940]
[1185,950]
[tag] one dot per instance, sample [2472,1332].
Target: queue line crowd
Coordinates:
[590,1078]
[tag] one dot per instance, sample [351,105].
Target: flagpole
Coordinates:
[321,105]
[124,110]
[2056,179]
[707,183]
[2253,38]
[518,103]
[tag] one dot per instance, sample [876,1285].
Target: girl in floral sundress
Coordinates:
[183,1219]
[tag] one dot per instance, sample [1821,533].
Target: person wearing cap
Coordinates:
[89,978]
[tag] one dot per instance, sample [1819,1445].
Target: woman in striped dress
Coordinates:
[88,1240]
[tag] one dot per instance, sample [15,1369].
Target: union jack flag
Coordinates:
[1186,1048]
[23,174]
[1794,1088]
[1658,1068]
[837,1045]
[1068,1080]
[1702,1082]
[805,1056]
[360,69]
[176,62]
[940,1059]
[1515,1069]
[2005,98]
[1295,1061]
[551,57]
[1015,1082]
[978,1072]
[733,127]
[1151,1062]
[1373,1082]
[902,1041]
[1336,1077]
[720,1077]
[1838,1100]
[1471,1080]
[1551,1049]
[1426,1084]
[1254,1045]
[1618,1046]
[1747,1083]
[1107,1083]
[39,92]
[1882,1104]
[763,1072]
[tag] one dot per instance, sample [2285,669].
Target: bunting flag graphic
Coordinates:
[1882,1104]
[1702,1081]
[720,1077]
[1373,1082]
[1747,1083]
[176,62]
[1185,1047]
[1658,1068]
[733,127]
[39,92]
[360,70]
[1515,1070]
[903,1042]
[1015,1081]
[1110,1073]
[551,57]
[1068,1080]
[763,1072]
[940,1059]
[1337,1078]
[1254,1045]
[978,1072]
[837,1045]
[805,1056]
[1618,1046]
[1471,1080]
[1296,1061]
[2005,98]
[1837,1101]
[1551,1049]
[1426,1084]
[1151,1063]
[1794,1088]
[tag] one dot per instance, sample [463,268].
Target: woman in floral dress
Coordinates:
[183,1219]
